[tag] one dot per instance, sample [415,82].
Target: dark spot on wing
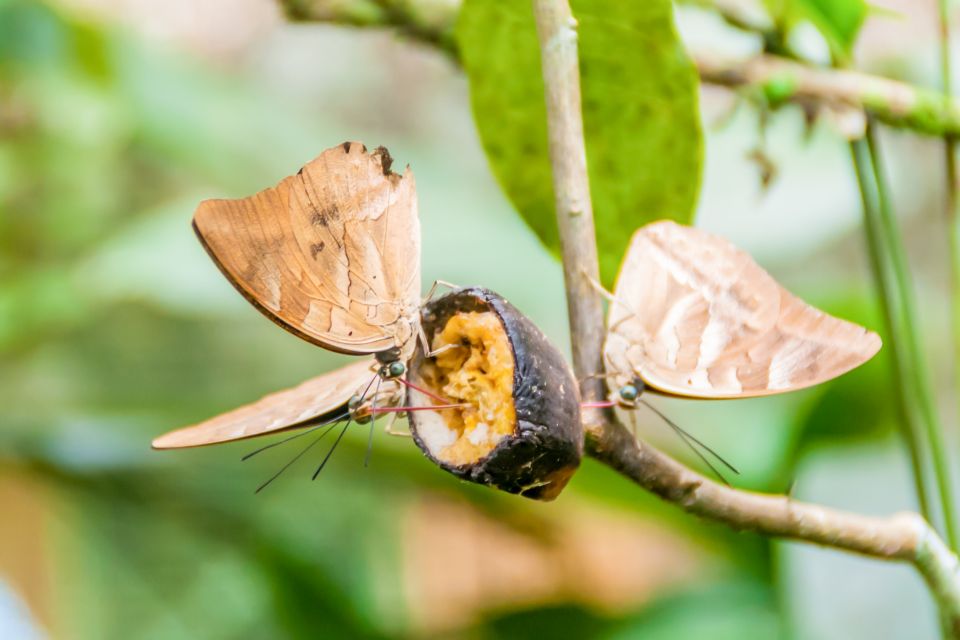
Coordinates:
[347,146]
[316,248]
[325,216]
[385,159]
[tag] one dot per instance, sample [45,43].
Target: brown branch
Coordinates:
[568,158]
[902,537]
[424,21]
[895,103]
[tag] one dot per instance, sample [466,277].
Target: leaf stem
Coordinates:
[919,394]
[907,420]
[950,175]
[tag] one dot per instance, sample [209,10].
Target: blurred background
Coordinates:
[118,116]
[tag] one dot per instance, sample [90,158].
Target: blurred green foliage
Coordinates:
[114,327]
[839,21]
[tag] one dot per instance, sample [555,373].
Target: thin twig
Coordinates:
[902,537]
[920,391]
[430,23]
[568,158]
[894,103]
[951,218]
[908,421]
[949,146]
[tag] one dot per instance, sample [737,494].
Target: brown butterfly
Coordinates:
[693,316]
[321,399]
[331,254]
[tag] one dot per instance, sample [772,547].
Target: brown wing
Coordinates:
[331,254]
[695,316]
[314,400]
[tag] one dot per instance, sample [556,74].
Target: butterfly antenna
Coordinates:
[312,428]
[373,419]
[690,440]
[296,457]
[332,449]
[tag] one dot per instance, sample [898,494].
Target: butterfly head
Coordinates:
[391,363]
[628,394]
[387,356]
[393,369]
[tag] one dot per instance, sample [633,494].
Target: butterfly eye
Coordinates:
[629,392]
[396,369]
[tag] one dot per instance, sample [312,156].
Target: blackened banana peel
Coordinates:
[520,428]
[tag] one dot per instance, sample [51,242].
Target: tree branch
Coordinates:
[556,28]
[427,21]
[894,103]
[904,537]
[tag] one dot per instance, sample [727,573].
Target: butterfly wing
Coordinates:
[331,254]
[695,316]
[317,399]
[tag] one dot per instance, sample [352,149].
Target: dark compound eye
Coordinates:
[629,392]
[396,369]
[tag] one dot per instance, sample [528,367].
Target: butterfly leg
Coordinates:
[373,420]
[594,376]
[599,288]
[390,431]
[422,335]
[443,349]
[612,396]
[428,353]
[436,285]
[612,299]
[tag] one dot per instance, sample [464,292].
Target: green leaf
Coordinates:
[839,21]
[641,117]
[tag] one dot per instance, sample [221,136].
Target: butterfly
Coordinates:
[693,316]
[332,255]
[322,399]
